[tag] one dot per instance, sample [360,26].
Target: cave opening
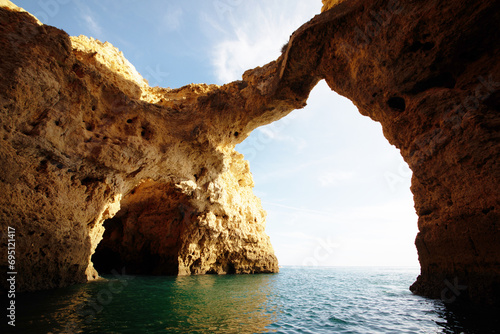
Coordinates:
[144,237]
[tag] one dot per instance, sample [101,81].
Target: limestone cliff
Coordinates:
[429,72]
[84,138]
[83,134]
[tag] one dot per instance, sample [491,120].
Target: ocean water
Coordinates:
[297,300]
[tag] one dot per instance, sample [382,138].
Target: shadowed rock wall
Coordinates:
[428,71]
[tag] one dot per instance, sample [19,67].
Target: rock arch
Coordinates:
[80,128]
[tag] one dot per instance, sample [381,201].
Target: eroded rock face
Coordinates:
[82,133]
[428,71]
[173,229]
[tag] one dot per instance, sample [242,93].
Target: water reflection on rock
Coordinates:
[227,308]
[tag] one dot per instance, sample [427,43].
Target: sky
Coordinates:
[335,191]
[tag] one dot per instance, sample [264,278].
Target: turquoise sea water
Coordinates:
[297,300]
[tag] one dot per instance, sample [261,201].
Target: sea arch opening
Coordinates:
[335,171]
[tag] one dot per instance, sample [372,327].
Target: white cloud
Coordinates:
[301,210]
[271,133]
[89,20]
[172,19]
[260,29]
[298,235]
[334,178]
[288,173]
[268,132]
[92,25]
[388,212]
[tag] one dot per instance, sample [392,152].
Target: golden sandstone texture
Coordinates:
[89,149]
[84,138]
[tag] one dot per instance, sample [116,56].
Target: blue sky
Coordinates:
[336,192]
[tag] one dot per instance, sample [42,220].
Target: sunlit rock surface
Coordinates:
[84,138]
[83,135]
